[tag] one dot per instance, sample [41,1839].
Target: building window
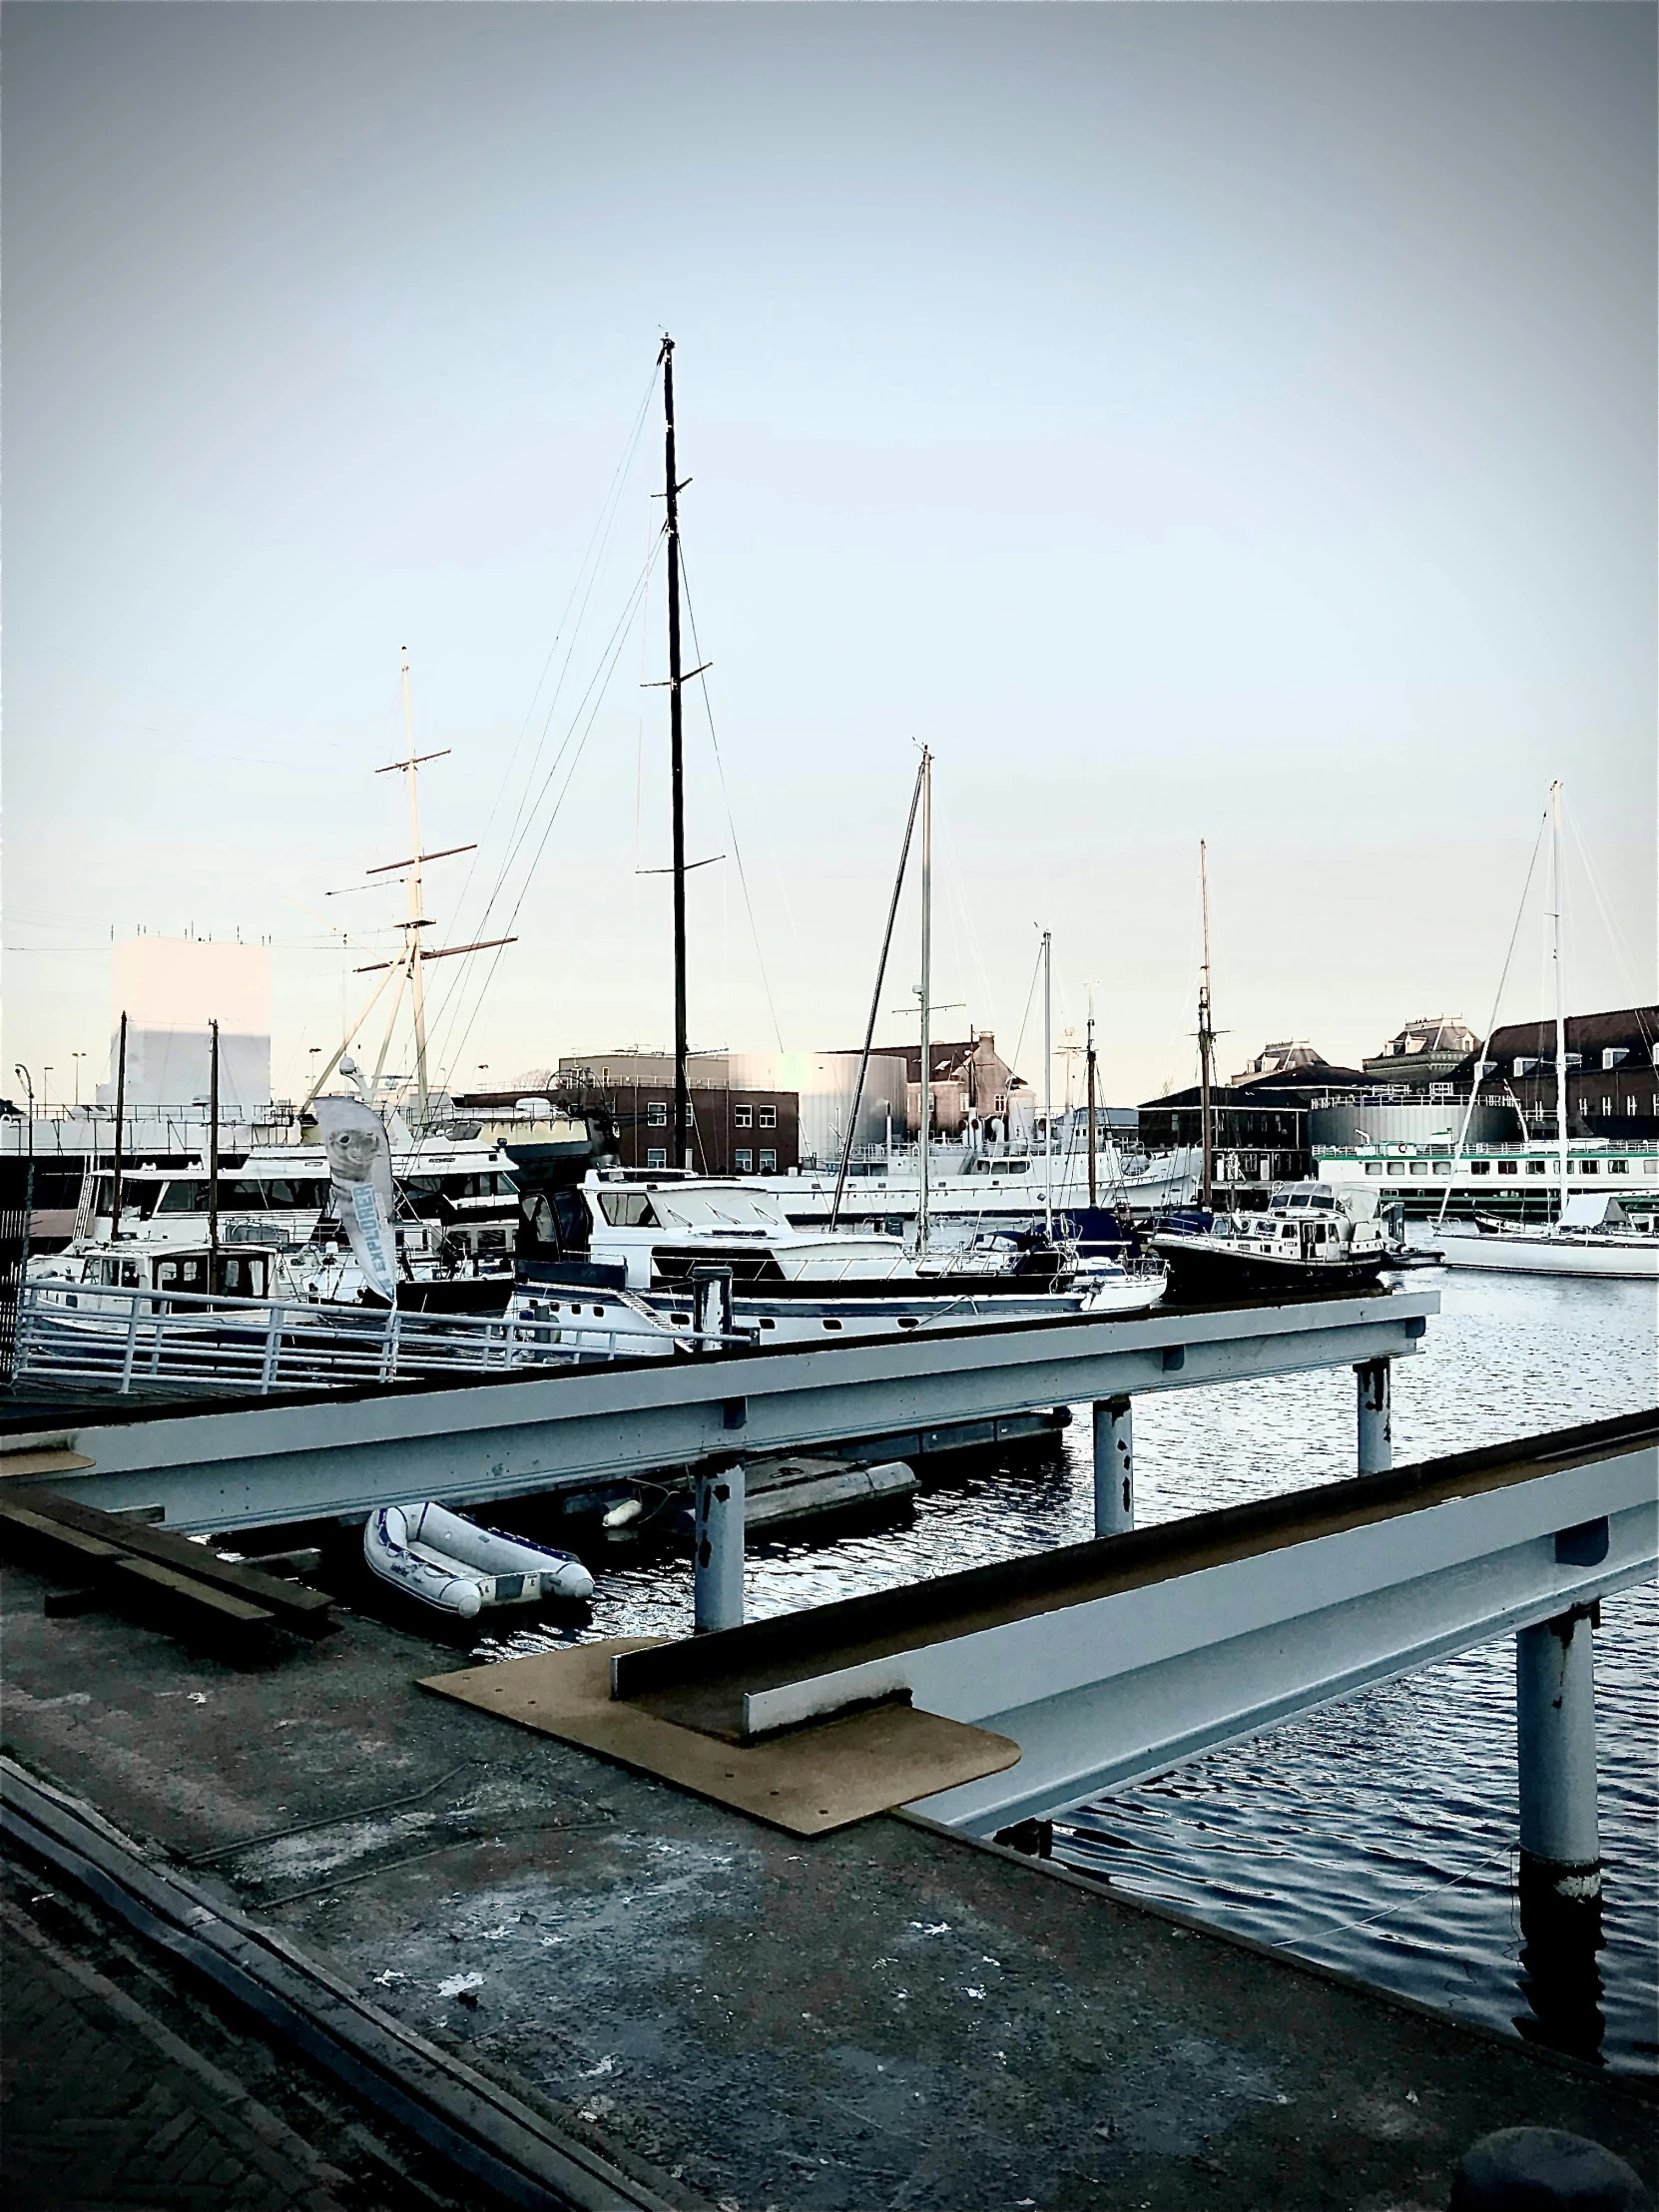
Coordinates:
[656,1114]
[745,1158]
[1607,1105]
[656,1156]
[742,1117]
[691,1114]
[769,1160]
[769,1117]
[1630,1106]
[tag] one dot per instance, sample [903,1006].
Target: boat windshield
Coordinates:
[719,1208]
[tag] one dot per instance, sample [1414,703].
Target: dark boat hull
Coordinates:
[1200,1270]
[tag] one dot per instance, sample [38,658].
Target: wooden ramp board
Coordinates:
[808,1782]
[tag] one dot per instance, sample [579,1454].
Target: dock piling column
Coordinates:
[712,1290]
[1114,1466]
[717,1576]
[1561,1846]
[1556,1736]
[1376,1449]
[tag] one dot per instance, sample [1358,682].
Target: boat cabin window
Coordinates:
[718,1209]
[137,1198]
[241,1275]
[183,1197]
[628,1210]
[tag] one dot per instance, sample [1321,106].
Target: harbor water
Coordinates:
[1375,1836]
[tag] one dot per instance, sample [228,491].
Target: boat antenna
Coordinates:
[120,1123]
[1048,1082]
[212,1149]
[677,771]
[1560,992]
[1206,1035]
[875,999]
[926,995]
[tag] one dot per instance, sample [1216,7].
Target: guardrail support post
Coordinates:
[717,1577]
[1561,1846]
[1376,1449]
[1114,1466]
[1556,1735]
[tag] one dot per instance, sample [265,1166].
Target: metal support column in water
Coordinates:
[1114,1466]
[1556,1736]
[1561,1854]
[717,1573]
[1376,1450]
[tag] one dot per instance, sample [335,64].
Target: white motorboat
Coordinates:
[457,1567]
[1593,1237]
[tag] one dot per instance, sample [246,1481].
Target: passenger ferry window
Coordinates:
[1480,1167]
[1537,1167]
[1587,1167]
[1507,1167]
[1618,1167]
[1373,1167]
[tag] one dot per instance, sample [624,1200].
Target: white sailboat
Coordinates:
[1591,1233]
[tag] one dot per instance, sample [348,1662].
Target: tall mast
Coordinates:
[212,1146]
[1561,993]
[676,776]
[1206,1035]
[926,995]
[416,921]
[120,1123]
[1091,1086]
[1048,1083]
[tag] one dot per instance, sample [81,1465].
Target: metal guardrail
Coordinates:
[125,1339]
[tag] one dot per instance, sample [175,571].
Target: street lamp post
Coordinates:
[77,1057]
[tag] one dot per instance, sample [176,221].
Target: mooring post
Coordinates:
[1376,1447]
[1114,1466]
[717,1576]
[711,1312]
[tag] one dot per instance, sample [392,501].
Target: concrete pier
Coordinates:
[1376,1394]
[882,2015]
[1114,1466]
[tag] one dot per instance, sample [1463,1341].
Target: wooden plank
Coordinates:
[42,1537]
[214,1608]
[808,1781]
[23,1464]
[305,1612]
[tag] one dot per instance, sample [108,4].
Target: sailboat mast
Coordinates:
[416,921]
[213,1145]
[1048,1083]
[681,1150]
[1560,994]
[120,1127]
[1206,1036]
[1091,1089]
[926,995]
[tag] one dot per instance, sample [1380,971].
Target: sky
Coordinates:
[1227,423]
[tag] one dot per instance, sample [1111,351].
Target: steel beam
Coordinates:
[347,1452]
[1112,1660]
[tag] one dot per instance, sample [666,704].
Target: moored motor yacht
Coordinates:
[1308,1238]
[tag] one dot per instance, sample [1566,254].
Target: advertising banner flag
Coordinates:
[359,1168]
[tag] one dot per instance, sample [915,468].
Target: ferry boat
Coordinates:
[1518,1183]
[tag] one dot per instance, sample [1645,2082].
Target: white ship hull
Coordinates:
[1632,1260]
[971,1188]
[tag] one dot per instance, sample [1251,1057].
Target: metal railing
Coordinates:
[134,1339]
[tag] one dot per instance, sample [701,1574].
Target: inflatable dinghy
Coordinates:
[460,1568]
